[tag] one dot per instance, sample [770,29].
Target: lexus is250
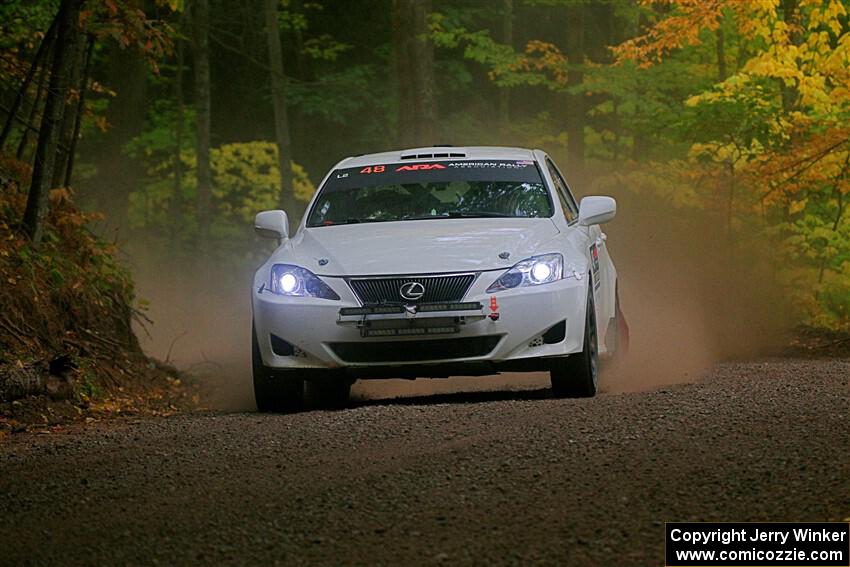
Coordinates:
[433,262]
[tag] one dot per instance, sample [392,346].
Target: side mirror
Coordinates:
[596,210]
[272,224]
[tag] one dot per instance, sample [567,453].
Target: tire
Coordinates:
[577,375]
[279,391]
[330,392]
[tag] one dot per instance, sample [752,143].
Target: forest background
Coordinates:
[171,123]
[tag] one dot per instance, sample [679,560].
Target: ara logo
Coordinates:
[421,167]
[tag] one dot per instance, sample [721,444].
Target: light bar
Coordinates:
[409,331]
[463,306]
[372,310]
[422,308]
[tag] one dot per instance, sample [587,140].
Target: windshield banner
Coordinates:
[519,171]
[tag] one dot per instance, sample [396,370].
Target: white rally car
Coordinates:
[432,262]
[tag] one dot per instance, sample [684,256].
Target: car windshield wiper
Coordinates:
[354,221]
[476,214]
[458,215]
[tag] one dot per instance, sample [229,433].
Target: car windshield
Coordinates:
[431,190]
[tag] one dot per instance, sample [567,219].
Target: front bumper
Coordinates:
[334,334]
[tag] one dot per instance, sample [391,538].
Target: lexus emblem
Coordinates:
[411,291]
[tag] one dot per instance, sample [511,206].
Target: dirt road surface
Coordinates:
[498,478]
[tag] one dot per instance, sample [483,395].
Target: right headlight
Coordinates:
[287,279]
[536,270]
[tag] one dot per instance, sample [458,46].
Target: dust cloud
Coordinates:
[201,324]
[691,298]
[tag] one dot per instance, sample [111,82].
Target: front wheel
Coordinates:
[279,391]
[329,392]
[577,375]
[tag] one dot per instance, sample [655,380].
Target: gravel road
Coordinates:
[477,478]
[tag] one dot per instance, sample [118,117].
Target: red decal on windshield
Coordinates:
[421,167]
[375,169]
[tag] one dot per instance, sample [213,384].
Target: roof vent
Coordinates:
[434,155]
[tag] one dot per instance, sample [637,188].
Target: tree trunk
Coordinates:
[177,197]
[721,54]
[791,16]
[424,100]
[402,54]
[118,174]
[40,53]
[48,135]
[202,106]
[300,122]
[69,118]
[36,103]
[641,140]
[81,108]
[576,107]
[281,119]
[302,68]
[504,92]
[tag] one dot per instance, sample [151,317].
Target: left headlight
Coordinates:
[294,280]
[531,271]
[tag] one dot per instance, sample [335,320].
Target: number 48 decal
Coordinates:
[373,169]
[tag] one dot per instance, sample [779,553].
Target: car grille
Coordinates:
[415,351]
[388,290]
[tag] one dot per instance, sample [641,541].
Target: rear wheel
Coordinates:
[275,390]
[577,375]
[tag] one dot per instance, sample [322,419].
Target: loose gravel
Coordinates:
[495,478]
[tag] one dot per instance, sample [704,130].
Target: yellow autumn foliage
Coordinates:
[246,179]
[789,149]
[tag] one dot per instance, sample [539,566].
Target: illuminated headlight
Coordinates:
[540,272]
[288,283]
[296,281]
[531,271]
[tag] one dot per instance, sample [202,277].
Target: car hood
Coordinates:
[415,247]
